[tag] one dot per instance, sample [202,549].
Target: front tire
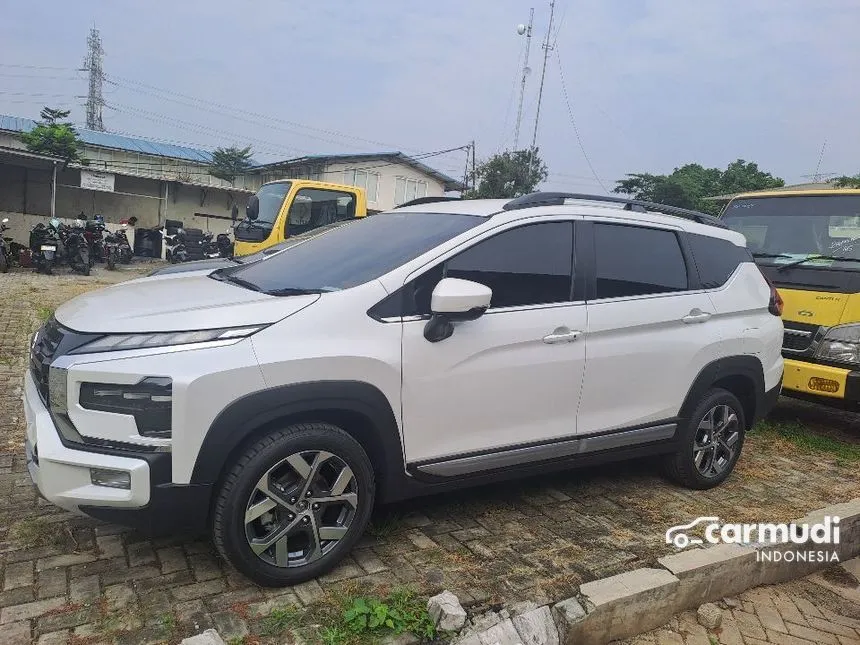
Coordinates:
[711,442]
[293,504]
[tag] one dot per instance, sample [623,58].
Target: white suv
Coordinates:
[415,351]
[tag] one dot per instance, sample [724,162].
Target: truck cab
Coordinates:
[281,209]
[807,243]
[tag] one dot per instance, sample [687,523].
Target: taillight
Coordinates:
[775,305]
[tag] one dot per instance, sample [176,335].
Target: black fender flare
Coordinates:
[747,366]
[314,400]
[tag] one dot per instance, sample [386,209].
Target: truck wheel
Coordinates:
[293,504]
[711,441]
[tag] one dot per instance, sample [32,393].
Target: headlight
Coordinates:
[841,345]
[118,342]
[148,401]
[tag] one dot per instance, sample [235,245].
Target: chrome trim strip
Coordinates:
[797,332]
[564,448]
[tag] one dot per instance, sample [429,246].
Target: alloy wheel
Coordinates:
[301,508]
[716,441]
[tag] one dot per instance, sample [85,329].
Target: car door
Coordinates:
[650,329]
[512,377]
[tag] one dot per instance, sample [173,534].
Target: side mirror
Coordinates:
[455,300]
[252,210]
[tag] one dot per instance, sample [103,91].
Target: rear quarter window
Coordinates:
[716,259]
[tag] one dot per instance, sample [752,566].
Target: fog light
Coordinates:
[110,478]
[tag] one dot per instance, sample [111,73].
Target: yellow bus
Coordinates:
[292,206]
[807,243]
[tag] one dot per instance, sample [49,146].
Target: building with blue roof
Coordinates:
[155,181]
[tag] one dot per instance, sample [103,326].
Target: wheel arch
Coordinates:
[742,375]
[360,409]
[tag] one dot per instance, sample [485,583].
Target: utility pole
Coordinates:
[93,65]
[474,177]
[817,176]
[526,71]
[546,50]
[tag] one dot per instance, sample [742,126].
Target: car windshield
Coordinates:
[803,230]
[350,254]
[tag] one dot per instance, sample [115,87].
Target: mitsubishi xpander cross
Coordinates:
[415,351]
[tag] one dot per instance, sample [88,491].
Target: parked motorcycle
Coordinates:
[45,246]
[114,243]
[210,247]
[224,245]
[5,248]
[94,234]
[125,254]
[174,244]
[77,251]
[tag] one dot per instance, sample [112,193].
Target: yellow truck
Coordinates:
[807,243]
[292,206]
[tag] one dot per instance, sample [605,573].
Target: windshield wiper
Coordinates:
[222,276]
[771,255]
[296,291]
[835,258]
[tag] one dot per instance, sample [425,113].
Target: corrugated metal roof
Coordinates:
[396,156]
[116,141]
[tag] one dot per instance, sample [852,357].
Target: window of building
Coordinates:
[405,190]
[634,261]
[363,179]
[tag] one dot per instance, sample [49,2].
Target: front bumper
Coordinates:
[61,472]
[821,382]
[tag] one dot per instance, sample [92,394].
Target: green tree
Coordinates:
[688,185]
[507,175]
[54,138]
[846,181]
[229,163]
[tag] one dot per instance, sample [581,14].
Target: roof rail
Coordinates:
[639,206]
[428,200]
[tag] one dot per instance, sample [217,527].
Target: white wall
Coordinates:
[388,175]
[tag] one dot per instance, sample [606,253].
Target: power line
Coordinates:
[232,111]
[573,121]
[546,49]
[16,66]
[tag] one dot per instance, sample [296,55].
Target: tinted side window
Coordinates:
[313,208]
[634,261]
[716,259]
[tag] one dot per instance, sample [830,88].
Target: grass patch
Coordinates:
[349,618]
[280,620]
[808,441]
[35,532]
[384,527]
[44,312]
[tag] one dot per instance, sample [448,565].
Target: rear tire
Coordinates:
[319,491]
[711,441]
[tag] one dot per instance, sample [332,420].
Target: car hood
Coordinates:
[183,303]
[197,265]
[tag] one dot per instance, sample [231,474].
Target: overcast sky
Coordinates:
[652,84]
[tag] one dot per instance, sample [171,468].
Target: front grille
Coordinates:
[797,337]
[42,353]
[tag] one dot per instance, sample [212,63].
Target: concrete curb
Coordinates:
[641,600]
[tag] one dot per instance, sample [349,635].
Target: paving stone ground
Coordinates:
[821,609]
[71,579]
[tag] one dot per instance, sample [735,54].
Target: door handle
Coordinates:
[561,335]
[696,316]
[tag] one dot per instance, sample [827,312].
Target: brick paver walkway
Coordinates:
[823,609]
[67,577]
